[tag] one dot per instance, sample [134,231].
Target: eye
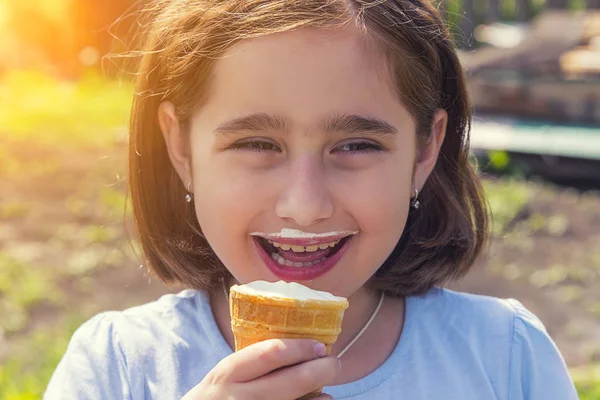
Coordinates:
[358,147]
[255,145]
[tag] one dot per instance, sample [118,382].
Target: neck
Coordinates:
[362,305]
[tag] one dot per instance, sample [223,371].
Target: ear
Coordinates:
[177,142]
[427,156]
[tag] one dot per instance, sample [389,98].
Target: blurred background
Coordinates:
[534,75]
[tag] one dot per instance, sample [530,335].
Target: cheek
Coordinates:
[224,201]
[381,213]
[381,216]
[379,199]
[223,215]
[227,199]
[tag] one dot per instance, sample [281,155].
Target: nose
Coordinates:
[306,198]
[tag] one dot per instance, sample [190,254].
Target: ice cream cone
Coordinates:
[258,316]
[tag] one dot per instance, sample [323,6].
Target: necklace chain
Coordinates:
[358,335]
[364,328]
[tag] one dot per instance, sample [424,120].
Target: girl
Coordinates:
[346,120]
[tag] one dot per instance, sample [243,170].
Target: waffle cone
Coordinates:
[255,318]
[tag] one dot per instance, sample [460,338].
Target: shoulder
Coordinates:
[483,320]
[172,315]
[473,311]
[151,315]
[500,335]
[169,311]
[166,305]
[537,368]
[114,353]
[135,333]
[93,366]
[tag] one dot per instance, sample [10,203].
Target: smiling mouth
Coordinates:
[288,255]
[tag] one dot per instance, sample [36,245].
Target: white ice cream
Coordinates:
[298,234]
[286,290]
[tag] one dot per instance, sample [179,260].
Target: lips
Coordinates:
[301,265]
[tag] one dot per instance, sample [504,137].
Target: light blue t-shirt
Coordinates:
[454,346]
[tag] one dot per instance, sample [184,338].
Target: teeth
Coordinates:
[298,249]
[302,249]
[326,245]
[282,261]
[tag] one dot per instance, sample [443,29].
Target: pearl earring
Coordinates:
[415,203]
[188,196]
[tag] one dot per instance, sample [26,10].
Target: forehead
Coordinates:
[301,73]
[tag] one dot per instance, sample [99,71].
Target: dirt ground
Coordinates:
[62,220]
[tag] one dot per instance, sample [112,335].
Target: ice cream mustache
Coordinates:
[287,233]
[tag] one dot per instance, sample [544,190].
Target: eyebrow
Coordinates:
[357,124]
[349,123]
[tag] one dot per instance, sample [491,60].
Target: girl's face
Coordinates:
[301,130]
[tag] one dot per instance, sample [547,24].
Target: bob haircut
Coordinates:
[182,39]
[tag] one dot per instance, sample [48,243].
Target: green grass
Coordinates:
[587,380]
[506,199]
[114,201]
[92,111]
[25,374]
[41,115]
[43,119]
[22,286]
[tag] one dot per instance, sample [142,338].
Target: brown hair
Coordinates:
[182,40]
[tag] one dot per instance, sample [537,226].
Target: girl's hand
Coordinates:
[278,369]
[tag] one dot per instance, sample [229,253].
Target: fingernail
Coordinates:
[320,349]
[339,362]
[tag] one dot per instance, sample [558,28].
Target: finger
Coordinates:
[298,380]
[264,357]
